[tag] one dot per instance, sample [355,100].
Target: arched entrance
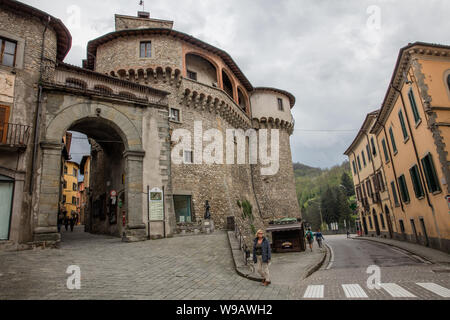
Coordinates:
[375,219]
[118,154]
[389,222]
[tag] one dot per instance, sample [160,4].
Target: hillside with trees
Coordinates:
[327,192]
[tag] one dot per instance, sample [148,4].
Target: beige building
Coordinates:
[412,130]
[139,84]
[70,188]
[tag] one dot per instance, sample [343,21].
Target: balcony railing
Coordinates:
[95,83]
[14,135]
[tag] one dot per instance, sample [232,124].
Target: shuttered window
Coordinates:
[412,101]
[430,174]
[394,146]
[402,123]
[386,154]
[4,117]
[417,184]
[394,194]
[403,188]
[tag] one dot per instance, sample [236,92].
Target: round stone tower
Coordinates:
[275,189]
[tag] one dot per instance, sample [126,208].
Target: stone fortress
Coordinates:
[137,86]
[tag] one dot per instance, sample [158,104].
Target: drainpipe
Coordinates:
[38,112]
[418,162]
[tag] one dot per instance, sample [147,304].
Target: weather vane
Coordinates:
[141,3]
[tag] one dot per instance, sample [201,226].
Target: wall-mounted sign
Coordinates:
[156,206]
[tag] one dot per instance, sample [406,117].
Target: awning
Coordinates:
[284,227]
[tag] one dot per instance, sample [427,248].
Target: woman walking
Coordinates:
[310,238]
[262,256]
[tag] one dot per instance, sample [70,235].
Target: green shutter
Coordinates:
[417,184]
[402,123]
[412,101]
[403,188]
[394,146]
[386,155]
[430,174]
[394,193]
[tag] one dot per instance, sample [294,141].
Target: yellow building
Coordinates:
[70,187]
[374,205]
[413,131]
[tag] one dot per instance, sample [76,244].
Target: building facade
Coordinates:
[71,197]
[412,130]
[138,87]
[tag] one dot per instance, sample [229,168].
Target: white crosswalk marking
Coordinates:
[354,291]
[314,292]
[435,288]
[396,291]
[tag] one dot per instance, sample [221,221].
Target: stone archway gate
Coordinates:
[72,96]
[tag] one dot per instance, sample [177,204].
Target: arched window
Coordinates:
[242,100]
[200,69]
[127,95]
[103,89]
[227,84]
[76,83]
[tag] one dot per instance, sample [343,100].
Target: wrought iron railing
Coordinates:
[242,245]
[14,135]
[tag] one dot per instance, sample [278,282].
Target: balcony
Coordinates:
[73,78]
[14,135]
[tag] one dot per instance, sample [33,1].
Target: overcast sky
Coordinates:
[336,57]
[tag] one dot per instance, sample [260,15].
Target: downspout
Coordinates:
[38,112]
[419,164]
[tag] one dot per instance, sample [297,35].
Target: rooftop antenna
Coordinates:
[141,3]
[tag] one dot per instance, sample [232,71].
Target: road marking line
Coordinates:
[396,291]
[331,258]
[435,288]
[314,292]
[354,291]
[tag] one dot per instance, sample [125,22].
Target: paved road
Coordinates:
[201,267]
[190,267]
[402,276]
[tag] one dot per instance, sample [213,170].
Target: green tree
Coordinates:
[347,182]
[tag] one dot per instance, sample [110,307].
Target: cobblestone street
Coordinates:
[190,267]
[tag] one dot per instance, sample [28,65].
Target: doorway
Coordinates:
[365,226]
[424,230]
[413,226]
[389,222]
[375,219]
[6,196]
[182,206]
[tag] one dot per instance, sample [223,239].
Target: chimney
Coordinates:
[143,14]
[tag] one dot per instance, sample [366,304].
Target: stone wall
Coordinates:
[28,32]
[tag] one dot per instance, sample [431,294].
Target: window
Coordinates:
[430,174]
[64,198]
[174,114]
[8,49]
[370,222]
[412,101]
[368,153]
[182,206]
[354,167]
[75,172]
[359,163]
[402,123]
[65,184]
[369,188]
[394,194]
[417,184]
[386,155]
[146,49]
[74,187]
[394,146]
[188,156]
[380,181]
[374,150]
[280,104]
[403,188]
[192,75]
[74,200]
[364,158]
[65,169]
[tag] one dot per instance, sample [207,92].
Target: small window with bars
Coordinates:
[188,156]
[175,114]
[192,75]
[280,104]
